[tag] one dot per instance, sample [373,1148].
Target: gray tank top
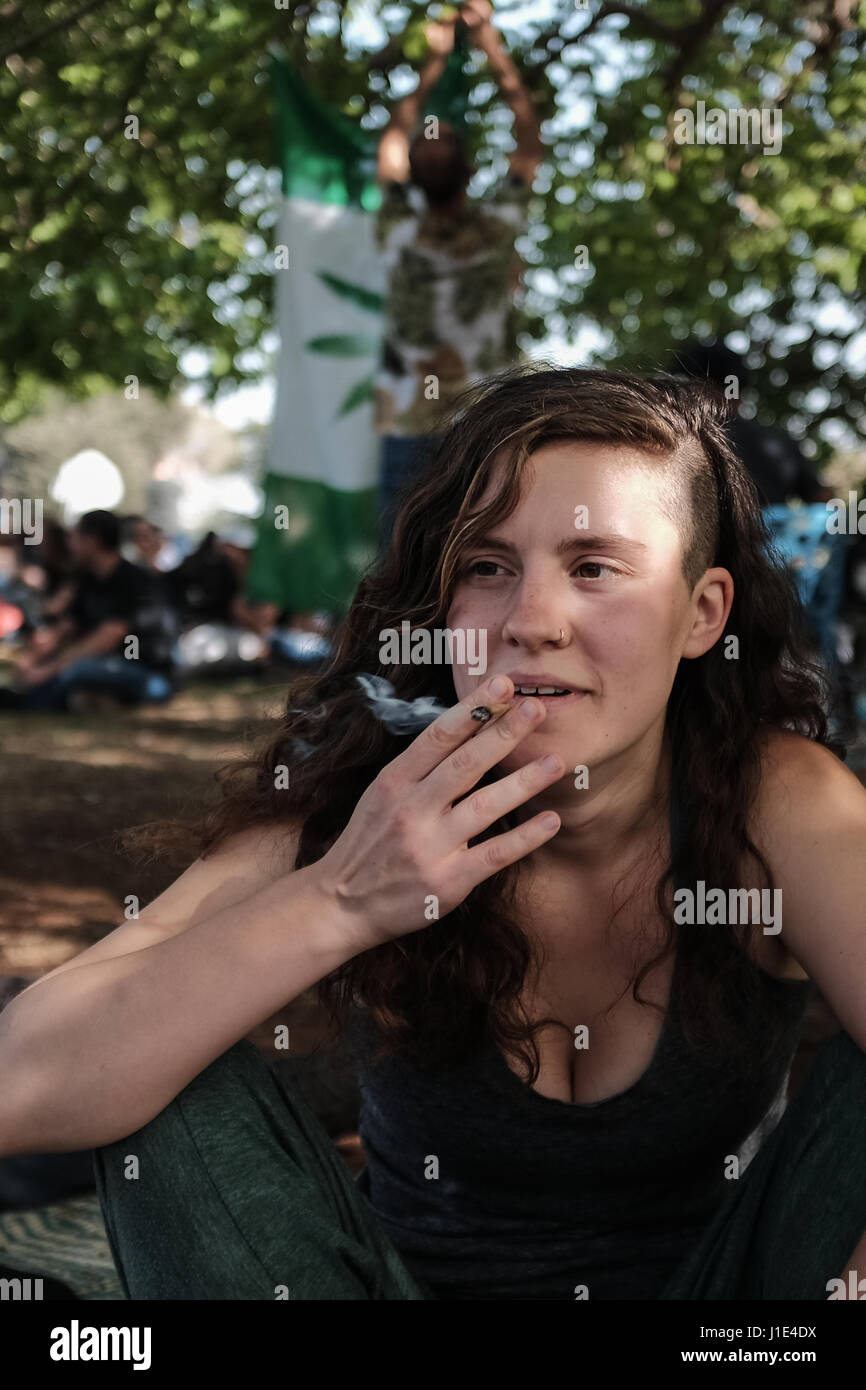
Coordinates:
[532,1198]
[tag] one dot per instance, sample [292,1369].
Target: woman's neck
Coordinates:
[625,807]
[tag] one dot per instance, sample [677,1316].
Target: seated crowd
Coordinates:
[109,613]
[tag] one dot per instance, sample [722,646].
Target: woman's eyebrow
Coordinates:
[623,545]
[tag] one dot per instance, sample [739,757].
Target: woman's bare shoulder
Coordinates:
[807,819]
[802,788]
[800,777]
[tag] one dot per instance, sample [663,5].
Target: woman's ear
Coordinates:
[710,606]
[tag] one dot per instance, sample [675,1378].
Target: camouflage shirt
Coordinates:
[449,314]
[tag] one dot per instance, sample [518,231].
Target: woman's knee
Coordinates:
[816,1211]
[219,1095]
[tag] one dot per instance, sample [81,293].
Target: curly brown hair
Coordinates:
[438,993]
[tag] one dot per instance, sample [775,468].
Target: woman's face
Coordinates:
[617,593]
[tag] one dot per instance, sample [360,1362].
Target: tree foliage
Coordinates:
[119,254]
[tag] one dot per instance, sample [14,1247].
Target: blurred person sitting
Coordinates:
[46,570]
[53,561]
[145,544]
[12,614]
[34,579]
[224,629]
[87,658]
[208,585]
[221,629]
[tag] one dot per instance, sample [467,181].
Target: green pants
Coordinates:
[237,1192]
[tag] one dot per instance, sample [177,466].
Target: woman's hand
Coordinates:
[403,859]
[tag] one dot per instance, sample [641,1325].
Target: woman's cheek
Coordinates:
[466,613]
[636,671]
[466,617]
[634,640]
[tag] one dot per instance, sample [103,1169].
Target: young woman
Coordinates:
[555,938]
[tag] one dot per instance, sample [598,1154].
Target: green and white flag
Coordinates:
[319,528]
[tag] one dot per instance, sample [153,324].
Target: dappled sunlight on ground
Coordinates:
[44,924]
[72,783]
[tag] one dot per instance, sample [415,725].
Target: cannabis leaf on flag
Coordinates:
[318,531]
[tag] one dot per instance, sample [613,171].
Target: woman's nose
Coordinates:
[534,625]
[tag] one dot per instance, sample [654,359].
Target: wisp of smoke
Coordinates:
[398,716]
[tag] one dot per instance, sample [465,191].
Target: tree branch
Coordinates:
[654,28]
[59,24]
[68,191]
[825,35]
[690,39]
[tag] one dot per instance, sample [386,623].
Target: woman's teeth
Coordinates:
[539,690]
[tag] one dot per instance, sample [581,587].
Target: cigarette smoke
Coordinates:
[398,716]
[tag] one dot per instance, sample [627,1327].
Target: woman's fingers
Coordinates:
[484,806]
[458,773]
[482,861]
[443,736]
[406,840]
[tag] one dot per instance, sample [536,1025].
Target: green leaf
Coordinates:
[342,344]
[362,391]
[358,294]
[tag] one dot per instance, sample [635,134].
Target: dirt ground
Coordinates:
[71,783]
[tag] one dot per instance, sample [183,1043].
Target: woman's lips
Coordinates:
[569,699]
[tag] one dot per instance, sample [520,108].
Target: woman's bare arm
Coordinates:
[94,1050]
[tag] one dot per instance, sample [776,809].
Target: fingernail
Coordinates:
[498,685]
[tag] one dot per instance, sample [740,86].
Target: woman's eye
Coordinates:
[474,568]
[595,565]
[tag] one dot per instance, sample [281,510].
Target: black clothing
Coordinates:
[98,600]
[137,598]
[533,1195]
[203,588]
